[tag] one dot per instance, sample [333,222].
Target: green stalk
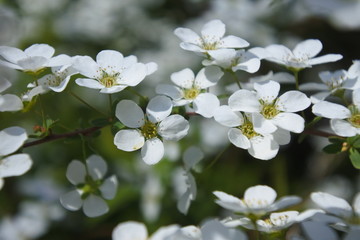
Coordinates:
[84,102]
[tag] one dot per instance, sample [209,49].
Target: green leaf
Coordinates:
[117,126]
[336,140]
[355,157]
[333,148]
[354,141]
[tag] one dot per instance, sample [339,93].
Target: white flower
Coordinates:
[258,200]
[334,82]
[90,187]
[33,59]
[212,38]
[277,221]
[191,89]
[243,135]
[191,157]
[344,121]
[12,139]
[271,112]
[8,102]
[302,56]
[111,72]
[148,130]
[234,60]
[132,230]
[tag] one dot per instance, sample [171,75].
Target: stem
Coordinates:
[236,79]
[217,157]
[110,103]
[136,93]
[296,75]
[87,104]
[319,133]
[53,137]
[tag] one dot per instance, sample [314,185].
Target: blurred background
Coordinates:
[145,28]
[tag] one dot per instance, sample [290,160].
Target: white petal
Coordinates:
[353,234]
[267,91]
[208,77]
[238,139]
[318,230]
[313,87]
[222,57]
[229,202]
[281,136]
[332,204]
[213,30]
[109,60]
[4,84]
[32,64]
[15,165]
[184,78]
[278,53]
[130,114]
[308,48]
[129,140]
[192,156]
[343,128]
[251,65]
[259,196]
[76,172]
[10,102]
[215,230]
[130,231]
[133,75]
[330,110]
[283,219]
[205,104]
[184,201]
[71,200]
[164,233]
[43,50]
[191,47]
[233,42]
[169,90]
[12,54]
[289,121]
[89,83]
[158,108]
[96,166]
[356,97]
[152,151]
[173,127]
[244,100]
[11,139]
[225,116]
[293,101]
[325,59]
[187,35]
[109,187]
[285,202]
[263,148]
[356,204]
[151,67]
[94,206]
[87,66]
[262,125]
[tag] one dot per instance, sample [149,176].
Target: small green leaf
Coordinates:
[336,140]
[354,141]
[117,126]
[355,157]
[333,148]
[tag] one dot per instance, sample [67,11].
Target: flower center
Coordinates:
[248,130]
[149,130]
[269,111]
[108,81]
[191,93]
[209,44]
[355,120]
[255,203]
[90,187]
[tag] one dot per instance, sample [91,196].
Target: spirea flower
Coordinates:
[91,187]
[111,72]
[11,140]
[345,121]
[271,112]
[148,130]
[212,38]
[33,59]
[191,89]
[302,56]
[258,200]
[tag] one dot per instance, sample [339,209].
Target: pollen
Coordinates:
[355,120]
[149,130]
[191,93]
[248,130]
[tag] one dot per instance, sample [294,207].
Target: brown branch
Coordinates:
[319,133]
[53,137]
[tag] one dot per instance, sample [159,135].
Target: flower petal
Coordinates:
[263,148]
[152,151]
[169,90]
[129,231]
[259,196]
[331,204]
[213,30]
[89,83]
[238,139]
[10,103]
[109,187]
[233,42]
[129,140]
[244,100]
[205,104]
[229,202]
[184,78]
[110,60]
[308,48]
[330,110]
[293,101]
[96,167]
[317,230]
[158,108]
[267,91]
[325,59]
[289,121]
[43,50]
[343,128]
[164,233]
[95,206]
[285,202]
[76,172]
[15,165]
[11,139]
[187,35]
[225,116]
[130,114]
[133,75]
[12,54]
[173,127]
[87,67]
[208,76]
[71,200]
